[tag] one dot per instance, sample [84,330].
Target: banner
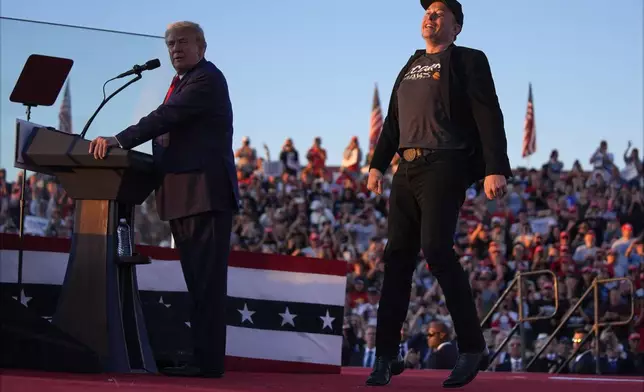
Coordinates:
[285,314]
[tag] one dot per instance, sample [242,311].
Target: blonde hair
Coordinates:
[192,27]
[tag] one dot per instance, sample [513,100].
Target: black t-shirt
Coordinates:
[423,120]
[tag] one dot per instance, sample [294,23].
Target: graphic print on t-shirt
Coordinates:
[424,71]
[422,114]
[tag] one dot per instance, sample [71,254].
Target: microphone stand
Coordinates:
[21,218]
[106,100]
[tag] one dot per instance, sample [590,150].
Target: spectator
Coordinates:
[602,161]
[635,254]
[290,159]
[584,361]
[553,167]
[246,158]
[404,340]
[351,159]
[365,356]
[635,353]
[587,251]
[549,361]
[632,172]
[616,309]
[510,360]
[441,353]
[369,310]
[316,166]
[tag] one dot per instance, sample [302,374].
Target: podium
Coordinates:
[99,304]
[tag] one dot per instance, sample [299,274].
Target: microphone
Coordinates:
[137,69]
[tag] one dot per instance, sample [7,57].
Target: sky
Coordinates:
[303,69]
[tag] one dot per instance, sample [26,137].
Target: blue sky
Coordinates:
[301,69]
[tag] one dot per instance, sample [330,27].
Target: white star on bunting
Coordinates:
[327,321]
[287,317]
[246,314]
[24,300]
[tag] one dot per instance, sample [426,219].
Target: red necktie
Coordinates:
[164,139]
[175,80]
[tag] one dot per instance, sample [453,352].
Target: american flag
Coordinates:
[529,129]
[65,114]
[376,121]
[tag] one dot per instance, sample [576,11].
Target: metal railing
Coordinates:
[597,325]
[521,319]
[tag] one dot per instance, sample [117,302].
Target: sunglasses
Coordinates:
[577,340]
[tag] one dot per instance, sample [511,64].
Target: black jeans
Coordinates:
[424,205]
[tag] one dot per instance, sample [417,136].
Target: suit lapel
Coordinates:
[181,83]
[187,76]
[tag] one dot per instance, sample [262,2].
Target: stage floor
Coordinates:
[351,379]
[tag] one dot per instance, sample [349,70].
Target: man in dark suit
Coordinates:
[512,359]
[549,361]
[445,121]
[584,362]
[365,356]
[192,147]
[441,352]
[615,362]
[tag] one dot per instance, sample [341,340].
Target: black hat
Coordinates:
[453,6]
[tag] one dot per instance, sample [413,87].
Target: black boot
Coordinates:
[485,361]
[383,369]
[466,369]
[397,367]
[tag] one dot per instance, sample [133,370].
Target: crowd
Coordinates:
[578,225]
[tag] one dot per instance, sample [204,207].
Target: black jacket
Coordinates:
[472,104]
[443,358]
[583,363]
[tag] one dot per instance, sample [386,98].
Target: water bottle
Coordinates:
[124,240]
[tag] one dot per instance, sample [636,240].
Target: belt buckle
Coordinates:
[410,154]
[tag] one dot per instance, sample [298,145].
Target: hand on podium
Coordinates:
[101,145]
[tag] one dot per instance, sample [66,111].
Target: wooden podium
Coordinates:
[99,303]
